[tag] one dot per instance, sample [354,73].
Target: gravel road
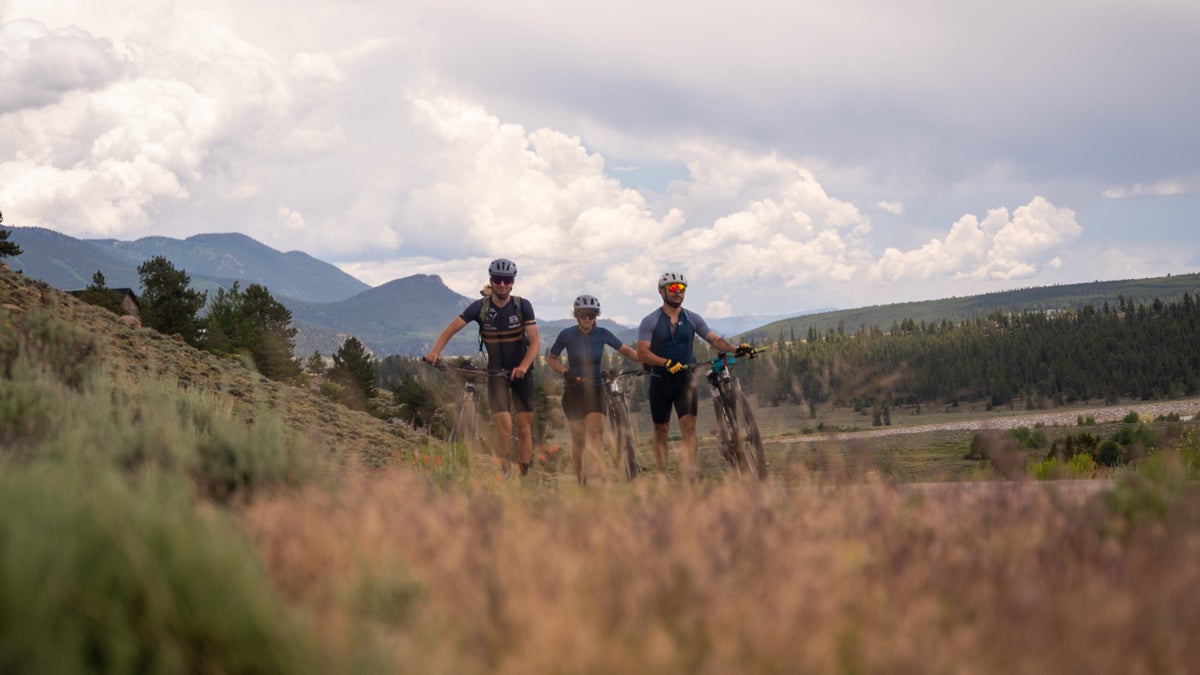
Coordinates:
[1186,408]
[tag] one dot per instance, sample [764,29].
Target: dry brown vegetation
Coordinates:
[403,564]
[734,578]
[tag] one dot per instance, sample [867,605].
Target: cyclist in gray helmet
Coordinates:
[509,333]
[665,339]
[583,390]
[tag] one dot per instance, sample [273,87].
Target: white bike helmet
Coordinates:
[502,267]
[669,278]
[587,302]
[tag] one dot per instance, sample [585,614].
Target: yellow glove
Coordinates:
[744,349]
[673,366]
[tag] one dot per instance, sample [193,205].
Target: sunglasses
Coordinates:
[502,281]
[587,315]
[676,288]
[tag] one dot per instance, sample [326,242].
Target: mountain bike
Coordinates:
[465,428]
[740,441]
[619,422]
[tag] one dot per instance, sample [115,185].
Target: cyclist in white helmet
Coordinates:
[664,343]
[583,391]
[509,333]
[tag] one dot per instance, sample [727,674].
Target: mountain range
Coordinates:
[406,315]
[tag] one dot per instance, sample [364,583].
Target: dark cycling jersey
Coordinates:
[674,344]
[503,332]
[584,349]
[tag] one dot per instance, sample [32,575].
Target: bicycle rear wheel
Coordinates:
[747,439]
[623,435]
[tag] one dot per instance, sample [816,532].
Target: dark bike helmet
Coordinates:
[669,278]
[502,267]
[587,302]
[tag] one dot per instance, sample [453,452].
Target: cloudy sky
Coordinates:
[784,156]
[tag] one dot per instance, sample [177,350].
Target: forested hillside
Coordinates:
[1061,298]
[1142,351]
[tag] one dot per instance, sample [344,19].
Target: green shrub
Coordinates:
[64,349]
[1082,466]
[100,576]
[28,406]
[1030,439]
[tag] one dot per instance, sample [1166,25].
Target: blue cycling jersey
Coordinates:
[584,349]
[672,342]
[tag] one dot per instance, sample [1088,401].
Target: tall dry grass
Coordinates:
[733,578]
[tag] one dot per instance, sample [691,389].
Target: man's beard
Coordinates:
[673,304]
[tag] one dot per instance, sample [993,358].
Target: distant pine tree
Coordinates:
[7,248]
[353,369]
[100,295]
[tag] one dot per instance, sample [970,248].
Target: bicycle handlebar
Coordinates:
[726,359]
[471,370]
[607,375]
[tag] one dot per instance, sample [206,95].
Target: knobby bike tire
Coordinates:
[749,439]
[726,429]
[466,420]
[623,434]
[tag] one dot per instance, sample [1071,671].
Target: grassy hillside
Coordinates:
[163,510]
[97,343]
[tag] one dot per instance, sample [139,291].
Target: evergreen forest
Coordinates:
[1032,359]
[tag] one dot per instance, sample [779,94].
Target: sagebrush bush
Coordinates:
[100,576]
[49,412]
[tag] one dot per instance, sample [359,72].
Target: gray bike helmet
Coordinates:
[669,278]
[502,267]
[587,302]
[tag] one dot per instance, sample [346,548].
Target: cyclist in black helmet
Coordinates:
[664,342]
[509,334]
[583,391]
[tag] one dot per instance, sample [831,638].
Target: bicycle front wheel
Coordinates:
[466,419]
[747,439]
[623,434]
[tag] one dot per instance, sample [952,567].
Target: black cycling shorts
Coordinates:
[505,393]
[676,391]
[582,398]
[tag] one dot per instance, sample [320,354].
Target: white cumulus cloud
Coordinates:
[1001,246]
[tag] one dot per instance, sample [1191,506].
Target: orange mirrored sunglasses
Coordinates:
[676,288]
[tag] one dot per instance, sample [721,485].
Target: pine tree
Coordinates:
[7,248]
[254,323]
[352,368]
[168,304]
[100,295]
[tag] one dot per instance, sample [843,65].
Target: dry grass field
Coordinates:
[365,549]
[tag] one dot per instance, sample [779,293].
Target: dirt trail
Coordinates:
[1186,408]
